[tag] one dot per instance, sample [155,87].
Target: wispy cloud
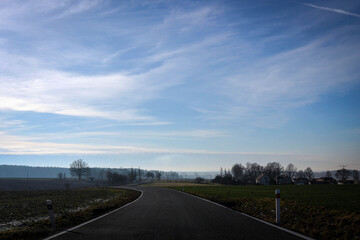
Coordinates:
[11,123]
[14,145]
[36,82]
[111,56]
[79,7]
[138,77]
[336,10]
[45,91]
[136,134]
[288,80]
[200,16]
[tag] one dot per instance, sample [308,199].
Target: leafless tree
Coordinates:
[79,168]
[149,175]
[238,171]
[300,174]
[309,174]
[342,174]
[273,170]
[132,174]
[290,170]
[252,170]
[158,175]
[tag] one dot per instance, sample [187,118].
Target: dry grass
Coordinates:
[176,184]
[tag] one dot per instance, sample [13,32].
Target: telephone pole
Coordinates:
[139,176]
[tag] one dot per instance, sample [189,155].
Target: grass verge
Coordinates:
[71,208]
[318,211]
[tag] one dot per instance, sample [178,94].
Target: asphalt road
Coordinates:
[168,214]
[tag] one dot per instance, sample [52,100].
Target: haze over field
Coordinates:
[180,85]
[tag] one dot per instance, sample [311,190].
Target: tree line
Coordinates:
[81,169]
[240,174]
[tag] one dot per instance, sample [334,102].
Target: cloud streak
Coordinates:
[59,92]
[163,77]
[200,134]
[269,87]
[14,145]
[336,10]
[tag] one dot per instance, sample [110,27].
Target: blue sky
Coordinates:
[180,85]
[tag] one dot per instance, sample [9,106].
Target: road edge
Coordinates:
[97,218]
[244,214]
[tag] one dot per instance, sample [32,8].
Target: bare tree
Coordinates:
[79,168]
[238,171]
[158,175]
[300,174]
[149,175]
[328,174]
[252,170]
[273,170]
[342,174]
[132,175]
[309,174]
[115,178]
[290,170]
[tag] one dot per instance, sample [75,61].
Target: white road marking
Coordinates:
[92,220]
[270,224]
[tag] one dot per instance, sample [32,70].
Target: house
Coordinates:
[345,182]
[301,181]
[284,180]
[262,179]
[324,180]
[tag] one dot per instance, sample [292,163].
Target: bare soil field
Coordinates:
[34,184]
[24,214]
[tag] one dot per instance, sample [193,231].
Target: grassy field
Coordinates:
[174,184]
[24,214]
[319,211]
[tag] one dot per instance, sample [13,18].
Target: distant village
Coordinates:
[251,173]
[275,174]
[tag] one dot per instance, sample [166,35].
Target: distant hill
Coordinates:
[212,174]
[13,171]
[193,175]
[322,174]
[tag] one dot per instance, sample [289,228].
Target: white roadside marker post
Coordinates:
[51,214]
[277,205]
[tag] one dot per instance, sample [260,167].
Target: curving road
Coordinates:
[169,214]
